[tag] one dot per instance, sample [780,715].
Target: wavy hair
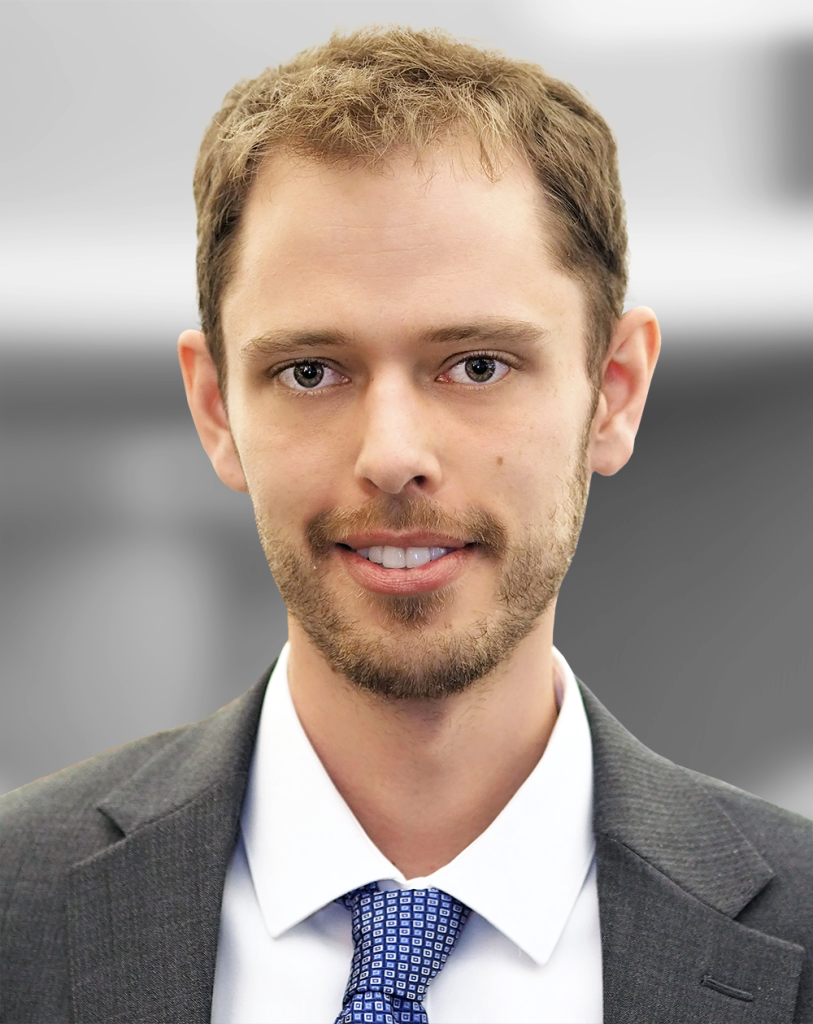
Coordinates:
[361,96]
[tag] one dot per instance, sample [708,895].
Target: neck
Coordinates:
[426,778]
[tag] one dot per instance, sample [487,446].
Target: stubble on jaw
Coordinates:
[413,656]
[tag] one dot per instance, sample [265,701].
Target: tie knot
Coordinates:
[402,939]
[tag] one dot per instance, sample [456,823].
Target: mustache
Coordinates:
[471,526]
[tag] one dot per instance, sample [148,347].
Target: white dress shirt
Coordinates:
[531,950]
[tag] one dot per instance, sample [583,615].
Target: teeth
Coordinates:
[416,557]
[394,558]
[402,558]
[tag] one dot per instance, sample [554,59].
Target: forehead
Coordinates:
[347,205]
[438,237]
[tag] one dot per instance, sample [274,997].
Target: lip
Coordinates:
[403,540]
[420,580]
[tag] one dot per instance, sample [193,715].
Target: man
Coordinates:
[413,356]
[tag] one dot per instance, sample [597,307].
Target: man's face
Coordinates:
[407,382]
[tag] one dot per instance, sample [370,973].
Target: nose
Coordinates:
[397,450]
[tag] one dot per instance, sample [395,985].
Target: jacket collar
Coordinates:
[204,754]
[143,914]
[666,816]
[673,873]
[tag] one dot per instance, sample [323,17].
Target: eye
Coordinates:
[477,369]
[309,375]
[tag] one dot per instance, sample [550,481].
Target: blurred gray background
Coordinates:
[133,591]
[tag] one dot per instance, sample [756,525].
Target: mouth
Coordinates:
[419,565]
[412,557]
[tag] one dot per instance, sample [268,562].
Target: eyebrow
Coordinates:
[281,341]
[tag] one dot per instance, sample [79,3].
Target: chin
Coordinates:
[420,654]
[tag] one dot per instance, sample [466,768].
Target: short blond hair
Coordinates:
[361,96]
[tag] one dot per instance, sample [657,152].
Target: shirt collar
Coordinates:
[305,847]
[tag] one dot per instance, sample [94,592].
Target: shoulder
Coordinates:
[59,815]
[771,828]
[783,907]
[784,839]
[636,788]
[104,819]
[736,853]
[46,828]
[70,815]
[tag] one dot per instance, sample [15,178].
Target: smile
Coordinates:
[402,558]
[382,567]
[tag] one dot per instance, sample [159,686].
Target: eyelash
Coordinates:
[278,371]
[497,357]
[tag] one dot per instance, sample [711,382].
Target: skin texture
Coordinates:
[389,281]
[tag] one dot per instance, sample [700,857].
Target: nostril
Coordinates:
[420,480]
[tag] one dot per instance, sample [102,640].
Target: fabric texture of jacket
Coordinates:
[112,873]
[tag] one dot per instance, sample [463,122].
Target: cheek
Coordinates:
[291,474]
[534,469]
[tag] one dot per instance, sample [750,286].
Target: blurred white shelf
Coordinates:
[625,21]
[712,281]
[735,279]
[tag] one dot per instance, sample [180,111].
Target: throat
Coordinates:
[426,777]
[421,828]
[425,793]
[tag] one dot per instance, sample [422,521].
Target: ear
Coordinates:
[208,412]
[626,375]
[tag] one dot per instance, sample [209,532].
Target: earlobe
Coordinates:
[627,373]
[208,412]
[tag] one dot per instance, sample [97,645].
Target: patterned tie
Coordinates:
[402,938]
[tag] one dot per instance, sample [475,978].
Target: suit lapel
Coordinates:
[143,915]
[673,873]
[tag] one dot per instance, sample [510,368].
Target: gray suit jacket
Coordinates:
[111,879]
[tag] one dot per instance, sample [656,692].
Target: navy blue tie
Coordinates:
[402,940]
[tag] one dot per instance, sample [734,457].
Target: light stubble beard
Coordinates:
[408,658]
